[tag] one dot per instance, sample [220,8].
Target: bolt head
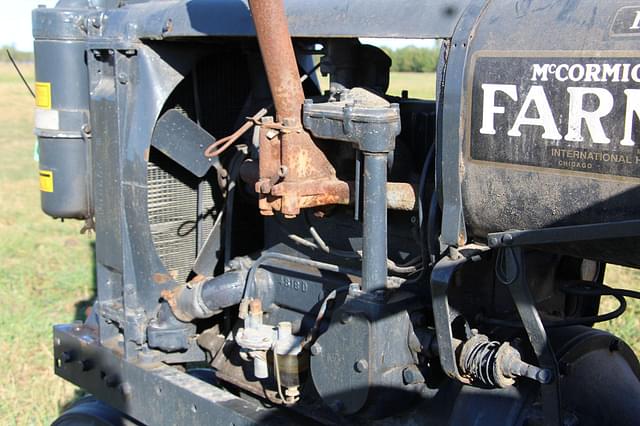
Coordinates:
[126,389]
[316,349]
[544,376]
[507,239]
[361,366]
[345,318]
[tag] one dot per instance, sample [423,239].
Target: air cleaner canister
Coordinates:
[62,112]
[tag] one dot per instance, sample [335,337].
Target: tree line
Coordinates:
[413,59]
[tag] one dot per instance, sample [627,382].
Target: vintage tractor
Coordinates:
[270,252]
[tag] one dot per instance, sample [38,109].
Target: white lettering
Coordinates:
[572,74]
[635,73]
[560,68]
[611,71]
[545,118]
[489,107]
[592,72]
[540,72]
[633,110]
[636,22]
[625,73]
[591,118]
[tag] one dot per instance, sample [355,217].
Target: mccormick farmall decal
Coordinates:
[558,112]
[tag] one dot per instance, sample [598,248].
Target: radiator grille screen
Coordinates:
[173,216]
[223,87]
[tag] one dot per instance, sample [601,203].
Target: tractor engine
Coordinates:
[279,240]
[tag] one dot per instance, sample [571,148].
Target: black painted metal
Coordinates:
[182,140]
[503,175]
[566,234]
[154,393]
[368,361]
[441,278]
[510,271]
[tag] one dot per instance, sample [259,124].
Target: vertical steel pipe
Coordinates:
[374,241]
[279,58]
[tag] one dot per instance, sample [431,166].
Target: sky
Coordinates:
[15,22]
[15,26]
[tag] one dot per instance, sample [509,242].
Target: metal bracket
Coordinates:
[566,234]
[510,270]
[441,277]
[152,393]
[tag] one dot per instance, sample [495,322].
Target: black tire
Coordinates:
[88,411]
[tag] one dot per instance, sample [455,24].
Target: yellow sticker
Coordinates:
[46,181]
[43,95]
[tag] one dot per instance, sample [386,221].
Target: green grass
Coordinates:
[46,267]
[419,85]
[45,270]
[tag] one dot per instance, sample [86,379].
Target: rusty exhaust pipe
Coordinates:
[279,58]
[293,172]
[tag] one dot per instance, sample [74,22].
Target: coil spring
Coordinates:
[479,361]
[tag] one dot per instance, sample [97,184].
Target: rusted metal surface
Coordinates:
[293,172]
[279,58]
[400,196]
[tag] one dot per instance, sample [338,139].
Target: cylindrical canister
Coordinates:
[62,112]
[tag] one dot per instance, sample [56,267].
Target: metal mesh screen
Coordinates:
[173,216]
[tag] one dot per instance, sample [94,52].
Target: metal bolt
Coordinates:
[66,357]
[125,388]
[168,26]
[410,376]
[544,376]
[345,318]
[123,78]
[111,380]
[493,241]
[507,239]
[77,325]
[86,365]
[316,349]
[361,366]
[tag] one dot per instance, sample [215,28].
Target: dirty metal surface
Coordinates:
[182,140]
[153,393]
[292,168]
[329,18]
[400,195]
[279,58]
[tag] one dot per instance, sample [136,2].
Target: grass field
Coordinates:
[46,267]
